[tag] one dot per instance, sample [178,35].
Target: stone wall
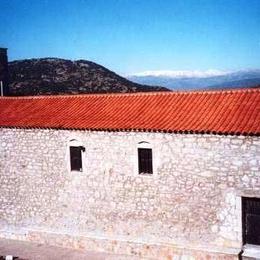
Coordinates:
[192,202]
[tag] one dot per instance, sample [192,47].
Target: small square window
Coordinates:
[76,158]
[145,163]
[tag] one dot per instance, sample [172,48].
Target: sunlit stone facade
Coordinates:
[189,207]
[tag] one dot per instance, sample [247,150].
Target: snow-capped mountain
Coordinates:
[210,79]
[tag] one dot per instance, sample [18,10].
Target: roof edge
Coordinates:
[168,131]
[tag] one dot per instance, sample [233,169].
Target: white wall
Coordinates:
[191,200]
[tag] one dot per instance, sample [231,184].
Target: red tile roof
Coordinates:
[220,112]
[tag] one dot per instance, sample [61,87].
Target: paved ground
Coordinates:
[33,251]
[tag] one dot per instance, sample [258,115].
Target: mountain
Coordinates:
[48,76]
[188,80]
[254,82]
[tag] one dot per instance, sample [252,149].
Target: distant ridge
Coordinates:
[254,82]
[53,76]
[196,80]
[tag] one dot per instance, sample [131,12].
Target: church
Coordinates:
[162,175]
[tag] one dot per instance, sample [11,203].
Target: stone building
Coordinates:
[157,175]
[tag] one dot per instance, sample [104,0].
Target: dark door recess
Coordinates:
[251,220]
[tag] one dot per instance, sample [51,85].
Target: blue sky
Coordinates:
[136,35]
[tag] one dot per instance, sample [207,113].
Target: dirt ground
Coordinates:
[33,251]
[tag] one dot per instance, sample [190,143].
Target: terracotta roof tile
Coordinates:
[222,112]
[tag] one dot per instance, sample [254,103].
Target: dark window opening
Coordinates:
[251,220]
[145,163]
[75,158]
